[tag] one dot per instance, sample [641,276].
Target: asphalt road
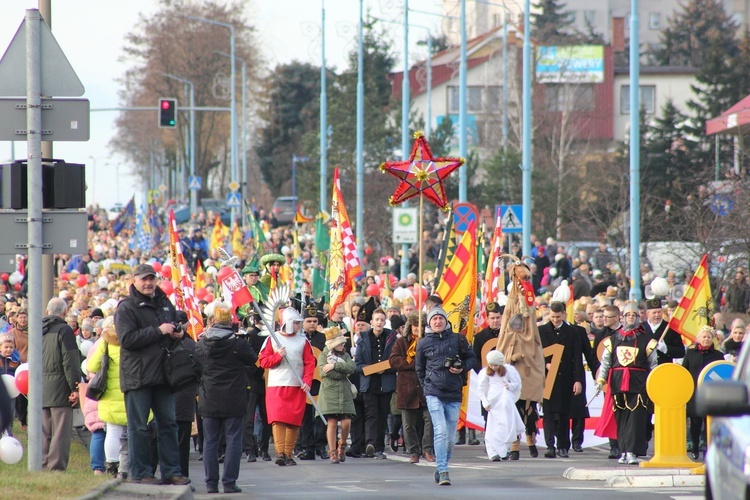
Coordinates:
[472,475]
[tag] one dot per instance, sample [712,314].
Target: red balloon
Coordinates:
[373,290]
[368,251]
[167,287]
[156,266]
[416,292]
[5,276]
[17,287]
[166,271]
[63,276]
[82,281]
[201,293]
[22,382]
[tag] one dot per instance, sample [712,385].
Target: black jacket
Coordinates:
[142,344]
[61,360]
[434,377]
[480,339]
[184,400]
[223,389]
[570,369]
[695,361]
[673,340]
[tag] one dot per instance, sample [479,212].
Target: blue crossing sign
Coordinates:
[195,183]
[234,199]
[511,217]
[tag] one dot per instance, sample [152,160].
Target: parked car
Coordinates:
[728,454]
[182,213]
[284,209]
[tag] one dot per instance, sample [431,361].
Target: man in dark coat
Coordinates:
[579,412]
[223,397]
[374,347]
[256,390]
[61,363]
[312,434]
[568,380]
[669,343]
[145,326]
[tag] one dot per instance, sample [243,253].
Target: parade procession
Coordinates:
[317,283]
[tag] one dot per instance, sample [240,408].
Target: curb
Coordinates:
[99,491]
[666,481]
[606,473]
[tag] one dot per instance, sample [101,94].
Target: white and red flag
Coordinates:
[184,293]
[343,261]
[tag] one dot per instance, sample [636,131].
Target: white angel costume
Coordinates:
[504,424]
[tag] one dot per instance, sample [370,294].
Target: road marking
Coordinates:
[350,489]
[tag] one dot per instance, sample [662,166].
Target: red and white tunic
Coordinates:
[285,401]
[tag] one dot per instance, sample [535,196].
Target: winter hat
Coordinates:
[495,358]
[334,337]
[436,311]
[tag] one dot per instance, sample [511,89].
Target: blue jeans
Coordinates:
[444,415]
[96,449]
[138,402]
[211,436]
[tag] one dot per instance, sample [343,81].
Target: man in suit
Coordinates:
[568,380]
[669,343]
[579,412]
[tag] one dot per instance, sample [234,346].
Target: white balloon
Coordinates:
[16,277]
[11,450]
[10,384]
[553,271]
[401,293]
[102,282]
[660,287]
[85,346]
[22,368]
[211,270]
[83,367]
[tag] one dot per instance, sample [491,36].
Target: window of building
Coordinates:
[646,99]
[654,20]
[589,17]
[569,97]
[572,17]
[479,99]
[497,19]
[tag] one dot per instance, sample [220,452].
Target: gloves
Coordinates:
[661,347]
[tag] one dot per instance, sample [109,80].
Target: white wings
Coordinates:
[279,297]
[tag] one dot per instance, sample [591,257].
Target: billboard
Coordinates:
[570,64]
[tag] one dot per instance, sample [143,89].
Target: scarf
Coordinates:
[702,349]
[411,352]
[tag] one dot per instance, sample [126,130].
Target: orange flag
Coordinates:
[696,306]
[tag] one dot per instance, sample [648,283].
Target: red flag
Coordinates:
[184,293]
[234,289]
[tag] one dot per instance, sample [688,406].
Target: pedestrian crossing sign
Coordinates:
[234,200]
[511,218]
[195,183]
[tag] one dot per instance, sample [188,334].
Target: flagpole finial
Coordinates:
[418,134]
[226,259]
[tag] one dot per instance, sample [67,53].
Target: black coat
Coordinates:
[255,381]
[696,360]
[675,347]
[578,408]
[570,369]
[184,400]
[142,344]
[477,345]
[434,377]
[223,388]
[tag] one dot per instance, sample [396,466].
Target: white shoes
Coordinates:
[628,458]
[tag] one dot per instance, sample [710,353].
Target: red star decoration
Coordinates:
[422,174]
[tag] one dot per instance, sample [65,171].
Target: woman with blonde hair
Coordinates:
[697,356]
[112,403]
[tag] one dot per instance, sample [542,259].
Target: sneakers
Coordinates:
[445,479]
[394,444]
[251,458]
[550,453]
[212,488]
[436,476]
[232,489]
[623,459]
[631,458]
[614,452]
[290,461]
[379,455]
[496,458]
[370,451]
[281,459]
[266,457]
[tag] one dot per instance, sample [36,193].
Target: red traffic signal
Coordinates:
[167,113]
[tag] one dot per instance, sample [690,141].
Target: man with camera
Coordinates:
[442,357]
[145,324]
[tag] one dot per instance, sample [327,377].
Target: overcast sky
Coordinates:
[91,32]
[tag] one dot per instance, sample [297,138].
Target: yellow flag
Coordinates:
[458,285]
[237,245]
[218,234]
[696,306]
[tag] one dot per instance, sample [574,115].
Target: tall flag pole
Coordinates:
[343,262]
[184,291]
[696,306]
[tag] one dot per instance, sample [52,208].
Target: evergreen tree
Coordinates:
[691,33]
[551,25]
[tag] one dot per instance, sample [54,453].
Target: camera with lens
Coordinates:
[454,362]
[181,318]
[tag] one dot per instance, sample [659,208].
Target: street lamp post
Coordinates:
[462,112]
[405,98]
[360,133]
[526,122]
[635,154]
[233,145]
[323,111]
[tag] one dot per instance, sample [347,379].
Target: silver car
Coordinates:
[728,454]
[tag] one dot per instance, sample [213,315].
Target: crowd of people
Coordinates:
[386,376]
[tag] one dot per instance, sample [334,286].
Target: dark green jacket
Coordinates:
[61,360]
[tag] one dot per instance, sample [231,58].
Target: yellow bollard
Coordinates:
[669,386]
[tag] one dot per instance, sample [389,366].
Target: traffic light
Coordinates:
[167,113]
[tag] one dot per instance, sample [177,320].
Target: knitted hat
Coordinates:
[436,311]
[495,358]
[334,337]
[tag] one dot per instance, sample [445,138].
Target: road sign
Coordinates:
[511,218]
[721,205]
[717,370]
[234,200]
[405,225]
[234,185]
[195,183]
[62,119]
[58,76]
[463,215]
[63,231]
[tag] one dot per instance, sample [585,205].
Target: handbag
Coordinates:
[353,389]
[98,383]
[180,368]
